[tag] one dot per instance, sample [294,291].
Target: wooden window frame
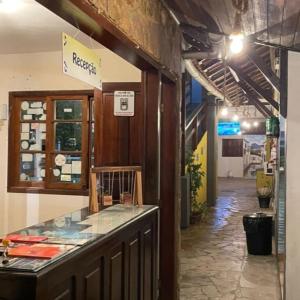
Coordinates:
[17,186]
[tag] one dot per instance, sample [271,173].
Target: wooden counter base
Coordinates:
[120,266]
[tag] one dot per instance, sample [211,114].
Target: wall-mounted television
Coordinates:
[229,128]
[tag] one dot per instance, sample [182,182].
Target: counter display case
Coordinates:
[108,255]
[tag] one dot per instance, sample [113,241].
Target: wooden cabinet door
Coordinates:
[118,140]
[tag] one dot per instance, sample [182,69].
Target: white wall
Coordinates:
[293,186]
[234,165]
[42,71]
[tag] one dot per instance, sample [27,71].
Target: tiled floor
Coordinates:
[214,260]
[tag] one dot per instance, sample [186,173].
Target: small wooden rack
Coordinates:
[115,184]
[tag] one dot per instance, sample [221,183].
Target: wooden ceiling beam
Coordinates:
[210,64]
[255,101]
[259,90]
[269,75]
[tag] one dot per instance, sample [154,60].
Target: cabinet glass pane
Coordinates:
[66,168]
[68,136]
[33,136]
[33,110]
[68,110]
[32,166]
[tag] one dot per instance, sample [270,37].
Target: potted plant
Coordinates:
[264,195]
[195,172]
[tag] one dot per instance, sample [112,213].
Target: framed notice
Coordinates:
[124,103]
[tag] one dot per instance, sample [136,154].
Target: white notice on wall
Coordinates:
[124,103]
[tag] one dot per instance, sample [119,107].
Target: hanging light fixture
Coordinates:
[235,117]
[237,37]
[224,111]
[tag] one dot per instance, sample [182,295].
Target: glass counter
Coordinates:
[67,234]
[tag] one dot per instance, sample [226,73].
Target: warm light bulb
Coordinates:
[236,43]
[255,124]
[235,118]
[224,111]
[9,5]
[244,124]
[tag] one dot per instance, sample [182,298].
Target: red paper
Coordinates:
[46,252]
[26,238]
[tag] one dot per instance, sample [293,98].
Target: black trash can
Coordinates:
[258,227]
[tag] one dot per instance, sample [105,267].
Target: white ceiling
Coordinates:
[33,28]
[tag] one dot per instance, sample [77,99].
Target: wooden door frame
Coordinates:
[85,17]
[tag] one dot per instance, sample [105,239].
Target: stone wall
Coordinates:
[148,24]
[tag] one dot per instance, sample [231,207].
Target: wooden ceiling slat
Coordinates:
[255,87]
[210,66]
[265,71]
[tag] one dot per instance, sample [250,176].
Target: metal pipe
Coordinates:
[199,55]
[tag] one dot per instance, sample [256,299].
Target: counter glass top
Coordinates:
[66,234]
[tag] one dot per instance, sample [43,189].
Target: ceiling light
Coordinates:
[255,124]
[244,124]
[9,5]
[224,111]
[236,42]
[235,118]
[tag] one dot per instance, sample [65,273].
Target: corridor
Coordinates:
[214,260]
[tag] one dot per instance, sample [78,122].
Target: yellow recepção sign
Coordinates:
[81,62]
